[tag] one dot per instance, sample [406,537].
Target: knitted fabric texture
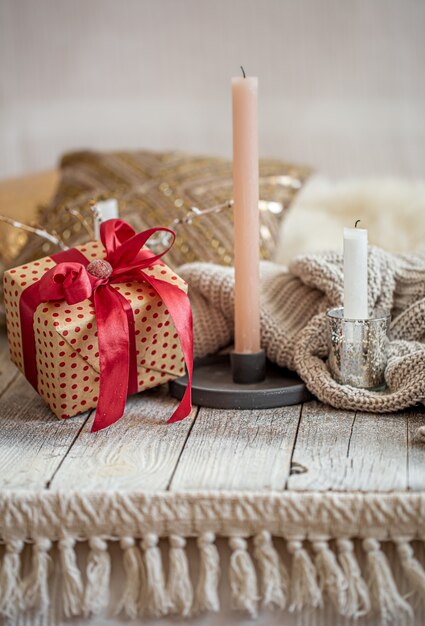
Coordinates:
[294,326]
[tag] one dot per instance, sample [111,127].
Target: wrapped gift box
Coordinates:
[67,354]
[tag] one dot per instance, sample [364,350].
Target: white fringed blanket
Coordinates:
[317,530]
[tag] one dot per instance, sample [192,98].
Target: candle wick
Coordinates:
[357,222]
[243,71]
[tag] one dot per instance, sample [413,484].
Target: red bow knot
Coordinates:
[76,281]
[67,281]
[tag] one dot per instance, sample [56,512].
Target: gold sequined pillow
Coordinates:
[170,189]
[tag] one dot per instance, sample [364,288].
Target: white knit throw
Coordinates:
[293,321]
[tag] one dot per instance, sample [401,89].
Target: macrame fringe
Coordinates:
[96,597]
[180,592]
[385,596]
[36,585]
[207,598]
[72,583]
[11,601]
[135,579]
[305,590]
[155,600]
[274,577]
[358,600]
[412,569]
[327,569]
[243,579]
[331,576]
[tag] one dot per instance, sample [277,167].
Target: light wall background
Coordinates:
[342,81]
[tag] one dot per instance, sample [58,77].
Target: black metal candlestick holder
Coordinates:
[241,381]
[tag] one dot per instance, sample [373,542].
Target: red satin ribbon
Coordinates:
[70,281]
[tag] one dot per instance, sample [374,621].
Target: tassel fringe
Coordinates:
[36,586]
[207,598]
[274,577]
[135,579]
[155,600]
[11,601]
[180,593]
[385,596]
[319,569]
[305,590]
[358,600]
[413,570]
[243,579]
[96,597]
[72,583]
[331,576]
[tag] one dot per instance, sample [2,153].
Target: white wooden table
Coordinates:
[298,448]
[309,446]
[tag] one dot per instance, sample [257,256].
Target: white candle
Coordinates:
[246,214]
[355,274]
[106,210]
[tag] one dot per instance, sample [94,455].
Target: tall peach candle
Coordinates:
[246,216]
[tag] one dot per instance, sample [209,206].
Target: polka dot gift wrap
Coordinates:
[67,353]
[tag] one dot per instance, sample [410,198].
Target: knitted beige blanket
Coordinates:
[294,302]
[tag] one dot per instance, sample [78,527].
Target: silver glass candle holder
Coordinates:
[358,349]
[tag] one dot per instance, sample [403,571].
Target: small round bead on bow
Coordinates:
[100,268]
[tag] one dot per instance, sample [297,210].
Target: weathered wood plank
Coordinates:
[224,450]
[33,441]
[378,453]
[415,450]
[344,451]
[238,450]
[8,370]
[321,448]
[139,452]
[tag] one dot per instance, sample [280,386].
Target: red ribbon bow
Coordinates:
[71,281]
